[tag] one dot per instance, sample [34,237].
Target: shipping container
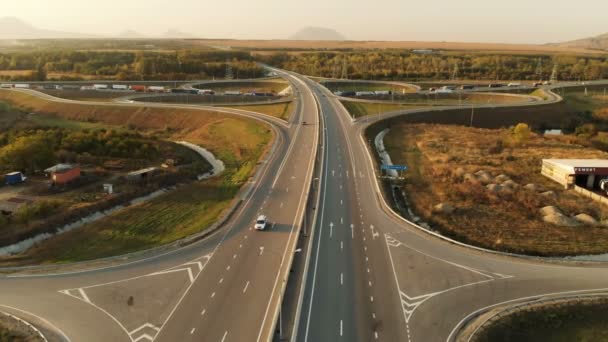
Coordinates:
[22,86]
[120,87]
[100,86]
[138,88]
[14,178]
[66,176]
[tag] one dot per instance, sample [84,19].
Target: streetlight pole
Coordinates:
[472,114]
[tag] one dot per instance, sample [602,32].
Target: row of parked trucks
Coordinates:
[133,88]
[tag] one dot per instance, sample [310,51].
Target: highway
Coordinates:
[375,276]
[371,276]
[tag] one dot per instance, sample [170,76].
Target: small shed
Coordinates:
[63,173]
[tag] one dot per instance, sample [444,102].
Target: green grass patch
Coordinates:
[278,110]
[170,217]
[359,109]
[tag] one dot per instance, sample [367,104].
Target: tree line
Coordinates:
[129,65]
[405,65]
[33,150]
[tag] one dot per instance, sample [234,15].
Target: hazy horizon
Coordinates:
[516,21]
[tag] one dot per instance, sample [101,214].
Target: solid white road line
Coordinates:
[341,328]
[221,280]
[224,338]
[341,278]
[246,286]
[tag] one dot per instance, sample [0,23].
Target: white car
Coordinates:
[261,223]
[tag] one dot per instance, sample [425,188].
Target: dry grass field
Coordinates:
[439,157]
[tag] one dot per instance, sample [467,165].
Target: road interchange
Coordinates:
[372,275]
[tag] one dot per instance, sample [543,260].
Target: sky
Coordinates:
[512,21]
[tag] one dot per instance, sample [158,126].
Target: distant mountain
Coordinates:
[598,43]
[173,33]
[130,34]
[317,33]
[15,28]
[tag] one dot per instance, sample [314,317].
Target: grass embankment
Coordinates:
[187,210]
[275,86]
[577,322]
[595,100]
[366,86]
[359,109]
[86,95]
[439,156]
[279,110]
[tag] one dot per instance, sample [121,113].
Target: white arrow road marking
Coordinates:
[261,250]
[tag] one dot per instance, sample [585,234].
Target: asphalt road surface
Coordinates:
[372,276]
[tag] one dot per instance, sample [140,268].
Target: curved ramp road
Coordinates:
[374,276]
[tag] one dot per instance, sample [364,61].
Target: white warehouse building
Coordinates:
[585,173]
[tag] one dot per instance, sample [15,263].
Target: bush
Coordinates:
[522,133]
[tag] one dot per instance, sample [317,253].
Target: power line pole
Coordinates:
[539,69]
[455,71]
[553,78]
[344,74]
[229,73]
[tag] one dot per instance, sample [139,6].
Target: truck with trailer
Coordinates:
[138,88]
[100,86]
[120,87]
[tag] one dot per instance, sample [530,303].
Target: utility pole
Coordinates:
[539,69]
[344,74]
[472,115]
[455,71]
[553,78]
[229,73]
